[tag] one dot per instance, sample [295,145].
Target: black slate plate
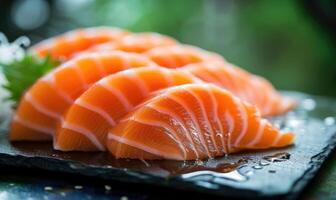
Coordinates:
[313,122]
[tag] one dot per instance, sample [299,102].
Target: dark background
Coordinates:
[290,42]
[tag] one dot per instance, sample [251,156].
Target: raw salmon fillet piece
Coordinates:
[213,68]
[64,46]
[47,100]
[137,43]
[180,55]
[192,121]
[88,120]
[251,88]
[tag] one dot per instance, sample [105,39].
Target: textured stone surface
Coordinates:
[312,122]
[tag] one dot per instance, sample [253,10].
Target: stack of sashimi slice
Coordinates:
[146,96]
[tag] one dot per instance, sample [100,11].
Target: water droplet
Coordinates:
[308,104]
[263,163]
[249,173]
[278,157]
[63,194]
[233,175]
[206,166]
[247,158]
[107,187]
[76,166]
[199,162]
[257,167]
[124,198]
[78,187]
[145,162]
[206,184]
[48,188]
[271,171]
[329,121]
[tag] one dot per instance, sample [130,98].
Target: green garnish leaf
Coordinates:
[22,73]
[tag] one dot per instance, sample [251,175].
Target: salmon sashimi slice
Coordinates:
[64,46]
[180,55]
[251,88]
[138,43]
[87,122]
[190,122]
[46,101]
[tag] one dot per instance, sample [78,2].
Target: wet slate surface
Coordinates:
[313,123]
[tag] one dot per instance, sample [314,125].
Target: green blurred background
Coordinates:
[292,43]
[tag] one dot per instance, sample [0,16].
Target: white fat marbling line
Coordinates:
[193,118]
[259,133]
[34,126]
[168,76]
[243,114]
[85,132]
[117,93]
[95,109]
[231,126]
[143,147]
[139,82]
[205,116]
[174,116]
[216,119]
[171,132]
[41,108]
